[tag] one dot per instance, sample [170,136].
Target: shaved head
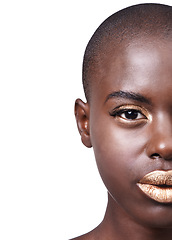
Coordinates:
[135,22]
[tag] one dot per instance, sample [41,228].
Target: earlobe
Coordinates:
[82,119]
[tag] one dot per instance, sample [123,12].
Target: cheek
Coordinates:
[121,160]
[116,151]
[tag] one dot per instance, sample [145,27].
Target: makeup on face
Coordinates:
[130,124]
[157,185]
[131,114]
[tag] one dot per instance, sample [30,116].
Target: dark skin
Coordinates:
[128,121]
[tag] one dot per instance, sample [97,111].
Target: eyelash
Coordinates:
[135,113]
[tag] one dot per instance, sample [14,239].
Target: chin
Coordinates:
[157,217]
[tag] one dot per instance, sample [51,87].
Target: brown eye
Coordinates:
[128,114]
[131,114]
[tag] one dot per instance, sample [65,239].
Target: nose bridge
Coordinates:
[160,142]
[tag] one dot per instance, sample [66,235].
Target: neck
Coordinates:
[118,225]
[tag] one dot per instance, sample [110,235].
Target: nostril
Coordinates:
[155,155]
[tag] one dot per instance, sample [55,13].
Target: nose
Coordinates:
[160,146]
[160,142]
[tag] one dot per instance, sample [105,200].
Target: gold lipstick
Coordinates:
[157,185]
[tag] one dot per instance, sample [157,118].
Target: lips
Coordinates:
[157,185]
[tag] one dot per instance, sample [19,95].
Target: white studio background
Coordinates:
[49,185]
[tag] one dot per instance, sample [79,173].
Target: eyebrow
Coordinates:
[128,95]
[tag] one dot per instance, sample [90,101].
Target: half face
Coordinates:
[131,129]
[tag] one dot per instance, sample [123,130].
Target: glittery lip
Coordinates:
[157,185]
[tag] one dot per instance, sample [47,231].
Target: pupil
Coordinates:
[132,114]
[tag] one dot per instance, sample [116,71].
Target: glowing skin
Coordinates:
[129,124]
[128,148]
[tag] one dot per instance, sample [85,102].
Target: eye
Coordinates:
[130,113]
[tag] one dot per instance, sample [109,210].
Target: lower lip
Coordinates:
[162,195]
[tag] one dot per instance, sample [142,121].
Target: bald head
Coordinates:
[135,22]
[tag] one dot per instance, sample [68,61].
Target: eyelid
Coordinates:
[142,110]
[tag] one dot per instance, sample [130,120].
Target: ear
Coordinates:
[82,111]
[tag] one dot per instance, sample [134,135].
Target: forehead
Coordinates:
[138,66]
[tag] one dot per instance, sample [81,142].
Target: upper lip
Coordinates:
[158,177]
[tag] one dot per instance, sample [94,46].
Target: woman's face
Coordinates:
[131,129]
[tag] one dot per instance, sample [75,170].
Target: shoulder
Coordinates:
[95,234]
[87,236]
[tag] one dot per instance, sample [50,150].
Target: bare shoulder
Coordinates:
[95,234]
[87,236]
